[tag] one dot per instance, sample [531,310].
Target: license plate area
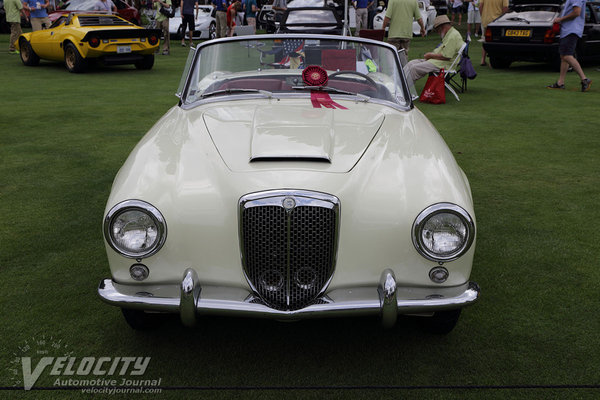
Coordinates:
[123,49]
[517,33]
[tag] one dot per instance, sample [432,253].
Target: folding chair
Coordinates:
[452,72]
[453,80]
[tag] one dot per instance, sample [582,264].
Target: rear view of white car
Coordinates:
[205,24]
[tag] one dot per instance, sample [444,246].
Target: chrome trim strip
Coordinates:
[140,205]
[437,209]
[360,301]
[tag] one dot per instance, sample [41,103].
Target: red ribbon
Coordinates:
[321,99]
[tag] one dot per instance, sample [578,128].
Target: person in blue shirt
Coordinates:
[221,17]
[38,14]
[572,21]
[362,12]
[187,19]
[251,11]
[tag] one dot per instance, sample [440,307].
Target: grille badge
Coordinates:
[289,203]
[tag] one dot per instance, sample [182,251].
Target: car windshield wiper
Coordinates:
[236,90]
[330,89]
[518,19]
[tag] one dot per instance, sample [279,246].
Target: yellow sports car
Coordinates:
[77,38]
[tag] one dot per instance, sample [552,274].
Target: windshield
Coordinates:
[273,66]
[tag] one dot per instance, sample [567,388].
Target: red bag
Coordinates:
[434,91]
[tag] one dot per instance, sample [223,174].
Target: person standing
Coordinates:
[457,8]
[279,6]
[572,21]
[362,13]
[14,10]
[187,19]
[490,10]
[251,10]
[399,16]
[221,6]
[372,11]
[162,22]
[231,16]
[38,14]
[473,17]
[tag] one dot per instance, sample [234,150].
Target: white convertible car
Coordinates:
[295,179]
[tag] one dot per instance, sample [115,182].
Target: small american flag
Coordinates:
[292,47]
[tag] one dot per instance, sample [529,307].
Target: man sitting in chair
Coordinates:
[442,56]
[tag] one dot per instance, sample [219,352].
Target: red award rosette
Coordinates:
[313,75]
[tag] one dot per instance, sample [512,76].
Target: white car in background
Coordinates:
[205,24]
[428,13]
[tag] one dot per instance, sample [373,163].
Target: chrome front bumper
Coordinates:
[191,299]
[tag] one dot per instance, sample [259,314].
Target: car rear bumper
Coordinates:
[522,51]
[191,299]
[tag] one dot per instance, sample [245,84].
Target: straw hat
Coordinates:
[440,20]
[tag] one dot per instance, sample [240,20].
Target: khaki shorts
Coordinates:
[36,23]
[400,43]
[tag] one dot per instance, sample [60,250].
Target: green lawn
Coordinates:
[533,159]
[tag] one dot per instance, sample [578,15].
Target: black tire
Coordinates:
[73,60]
[500,62]
[441,323]
[28,56]
[179,32]
[140,320]
[212,31]
[146,63]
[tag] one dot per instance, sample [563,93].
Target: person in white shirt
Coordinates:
[105,5]
[473,17]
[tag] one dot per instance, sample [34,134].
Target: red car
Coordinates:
[123,9]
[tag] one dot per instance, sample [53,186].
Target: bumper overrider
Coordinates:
[191,299]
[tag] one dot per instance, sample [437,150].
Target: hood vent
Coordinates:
[292,158]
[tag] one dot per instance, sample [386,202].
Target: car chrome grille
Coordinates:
[288,250]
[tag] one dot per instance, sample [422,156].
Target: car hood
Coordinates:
[251,137]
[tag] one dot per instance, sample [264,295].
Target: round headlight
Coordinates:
[135,229]
[443,232]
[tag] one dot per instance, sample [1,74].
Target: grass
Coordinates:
[532,156]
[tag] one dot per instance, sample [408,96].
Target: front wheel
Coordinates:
[28,56]
[146,63]
[73,60]
[212,31]
[441,323]
[140,320]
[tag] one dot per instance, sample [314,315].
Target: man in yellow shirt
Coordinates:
[490,10]
[399,16]
[442,56]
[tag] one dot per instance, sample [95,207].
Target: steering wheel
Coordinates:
[366,77]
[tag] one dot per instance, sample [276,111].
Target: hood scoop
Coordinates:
[292,135]
[304,139]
